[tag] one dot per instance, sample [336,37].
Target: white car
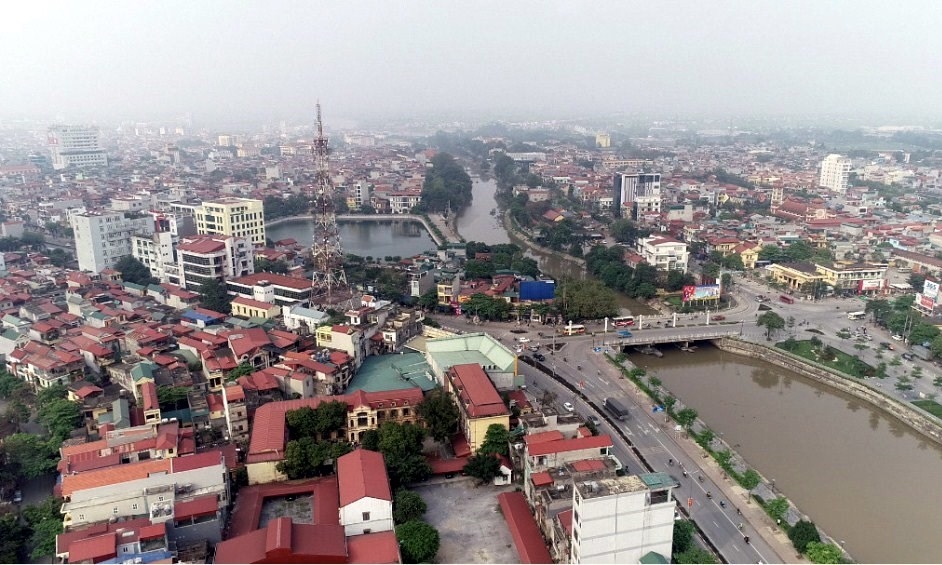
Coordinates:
[897,337]
[569,407]
[523,340]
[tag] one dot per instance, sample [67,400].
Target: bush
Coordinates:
[418,541]
[802,534]
[750,479]
[408,506]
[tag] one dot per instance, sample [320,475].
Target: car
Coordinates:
[624,333]
[518,349]
[604,242]
[897,337]
[595,420]
[539,357]
[886,345]
[18,497]
[523,339]
[908,356]
[718,317]
[569,407]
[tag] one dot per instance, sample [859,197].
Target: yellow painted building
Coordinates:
[750,256]
[799,277]
[240,217]
[861,278]
[248,308]
[479,403]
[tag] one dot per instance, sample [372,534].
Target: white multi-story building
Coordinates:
[622,519]
[204,257]
[664,253]
[238,217]
[157,251]
[835,171]
[403,202]
[76,145]
[632,188]
[101,238]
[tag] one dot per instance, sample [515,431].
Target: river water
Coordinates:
[391,238]
[862,476]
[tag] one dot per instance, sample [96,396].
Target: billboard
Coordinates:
[871,284]
[702,292]
[537,290]
[930,289]
[926,302]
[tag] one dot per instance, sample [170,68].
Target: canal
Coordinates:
[401,238]
[863,477]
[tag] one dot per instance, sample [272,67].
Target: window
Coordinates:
[114,510]
[134,506]
[160,498]
[81,517]
[366,516]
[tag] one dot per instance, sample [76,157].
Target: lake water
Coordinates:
[367,238]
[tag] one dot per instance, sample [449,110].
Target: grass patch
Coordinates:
[930,406]
[814,350]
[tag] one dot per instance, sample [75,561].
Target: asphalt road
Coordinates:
[656,440]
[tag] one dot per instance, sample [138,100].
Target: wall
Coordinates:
[381,520]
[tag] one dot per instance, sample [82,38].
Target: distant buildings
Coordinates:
[835,171]
[78,146]
[101,238]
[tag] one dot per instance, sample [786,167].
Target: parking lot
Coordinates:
[472,529]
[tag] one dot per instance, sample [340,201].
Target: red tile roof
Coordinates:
[523,528]
[149,396]
[203,245]
[94,549]
[552,435]
[541,479]
[275,279]
[200,506]
[325,501]
[362,474]
[476,391]
[379,548]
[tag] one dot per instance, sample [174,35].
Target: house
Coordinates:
[249,308]
[664,253]
[365,495]
[479,403]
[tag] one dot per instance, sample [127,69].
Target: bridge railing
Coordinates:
[642,340]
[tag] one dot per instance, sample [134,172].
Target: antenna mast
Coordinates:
[329,275]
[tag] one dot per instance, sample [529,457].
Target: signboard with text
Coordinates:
[702,292]
[871,284]
[930,289]
[925,301]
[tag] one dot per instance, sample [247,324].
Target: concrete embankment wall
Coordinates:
[907,414]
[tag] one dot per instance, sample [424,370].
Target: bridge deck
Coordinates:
[645,338]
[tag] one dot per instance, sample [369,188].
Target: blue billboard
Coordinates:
[537,290]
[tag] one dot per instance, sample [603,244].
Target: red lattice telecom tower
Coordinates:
[329,277]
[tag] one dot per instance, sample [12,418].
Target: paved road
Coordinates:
[657,442]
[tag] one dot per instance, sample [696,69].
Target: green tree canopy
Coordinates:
[215,297]
[683,536]
[407,506]
[687,417]
[586,299]
[695,555]
[45,521]
[401,446]
[30,455]
[307,457]
[446,185]
[771,321]
[418,541]
[496,440]
[133,271]
[818,552]
[482,466]
[13,537]
[439,413]
[803,533]
[486,307]
[320,422]
[60,416]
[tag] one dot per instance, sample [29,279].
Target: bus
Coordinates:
[623,321]
[856,315]
[786,299]
[574,329]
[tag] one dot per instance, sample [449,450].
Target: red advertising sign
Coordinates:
[690,502]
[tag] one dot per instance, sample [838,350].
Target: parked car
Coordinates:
[908,356]
[539,357]
[523,339]
[18,497]
[886,345]
[595,420]
[718,317]
[569,407]
[897,337]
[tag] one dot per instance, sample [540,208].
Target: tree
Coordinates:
[18,413]
[496,440]
[45,520]
[241,370]
[48,394]
[778,508]
[439,413]
[683,536]
[429,300]
[482,466]
[695,555]
[60,416]
[772,322]
[401,446]
[33,455]
[586,299]
[263,264]
[213,296]
[133,271]
[803,533]
[418,541]
[818,552]
[10,386]
[306,457]
[407,506]
[687,417]
[13,537]
[446,185]
[487,307]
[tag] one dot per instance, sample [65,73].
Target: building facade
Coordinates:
[664,253]
[102,238]
[78,146]
[835,172]
[203,258]
[238,217]
[629,187]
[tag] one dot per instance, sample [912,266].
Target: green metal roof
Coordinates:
[657,480]
[393,372]
[477,348]
[653,558]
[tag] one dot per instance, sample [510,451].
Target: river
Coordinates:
[401,238]
[863,477]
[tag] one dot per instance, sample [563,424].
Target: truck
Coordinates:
[616,407]
[786,299]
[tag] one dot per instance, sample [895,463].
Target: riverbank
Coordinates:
[525,237]
[923,424]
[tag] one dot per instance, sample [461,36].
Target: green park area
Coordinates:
[930,406]
[814,350]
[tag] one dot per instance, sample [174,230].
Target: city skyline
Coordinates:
[226,62]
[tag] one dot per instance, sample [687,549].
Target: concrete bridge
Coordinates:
[683,336]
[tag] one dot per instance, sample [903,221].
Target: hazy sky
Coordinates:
[271,60]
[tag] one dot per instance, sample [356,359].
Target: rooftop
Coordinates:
[611,486]
[393,372]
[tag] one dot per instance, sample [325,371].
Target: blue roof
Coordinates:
[198,316]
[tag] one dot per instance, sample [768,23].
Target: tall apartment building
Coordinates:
[835,172]
[101,238]
[664,253]
[157,251]
[622,519]
[204,257]
[643,189]
[76,145]
[238,217]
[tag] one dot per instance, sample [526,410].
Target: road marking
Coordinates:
[715,524]
[736,547]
